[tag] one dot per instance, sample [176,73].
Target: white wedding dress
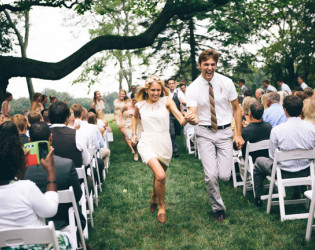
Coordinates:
[155,141]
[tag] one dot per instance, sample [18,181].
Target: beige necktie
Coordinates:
[214,125]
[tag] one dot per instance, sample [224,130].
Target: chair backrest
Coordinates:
[29,235]
[256,146]
[67,196]
[294,154]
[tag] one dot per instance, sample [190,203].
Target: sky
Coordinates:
[51,40]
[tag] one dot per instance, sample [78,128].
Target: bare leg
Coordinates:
[136,156]
[159,183]
[122,130]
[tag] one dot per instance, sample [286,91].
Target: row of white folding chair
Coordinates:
[236,159]
[94,164]
[87,198]
[311,196]
[289,182]
[189,137]
[29,235]
[248,181]
[67,196]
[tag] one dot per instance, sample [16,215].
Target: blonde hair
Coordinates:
[248,100]
[142,95]
[20,121]
[309,109]
[282,94]
[126,98]
[264,100]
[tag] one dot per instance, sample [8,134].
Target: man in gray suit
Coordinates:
[66,176]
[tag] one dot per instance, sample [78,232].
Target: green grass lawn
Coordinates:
[123,219]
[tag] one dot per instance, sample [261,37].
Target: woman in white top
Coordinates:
[5,107]
[119,103]
[98,102]
[22,203]
[155,145]
[127,113]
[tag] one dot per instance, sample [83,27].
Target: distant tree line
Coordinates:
[23,103]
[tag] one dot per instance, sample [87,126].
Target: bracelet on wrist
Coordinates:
[51,181]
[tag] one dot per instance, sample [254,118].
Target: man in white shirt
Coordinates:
[283,86]
[290,135]
[182,96]
[301,82]
[214,133]
[268,86]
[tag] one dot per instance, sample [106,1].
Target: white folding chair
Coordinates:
[282,183]
[189,139]
[310,195]
[67,196]
[248,183]
[236,159]
[94,164]
[29,235]
[86,198]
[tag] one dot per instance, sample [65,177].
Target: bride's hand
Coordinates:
[134,140]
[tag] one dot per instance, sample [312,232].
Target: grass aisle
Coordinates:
[123,219]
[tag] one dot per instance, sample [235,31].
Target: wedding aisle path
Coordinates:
[123,219]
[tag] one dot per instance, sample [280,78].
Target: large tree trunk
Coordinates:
[192,43]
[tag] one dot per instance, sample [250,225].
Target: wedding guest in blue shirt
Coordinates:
[274,114]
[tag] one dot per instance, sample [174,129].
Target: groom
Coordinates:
[212,98]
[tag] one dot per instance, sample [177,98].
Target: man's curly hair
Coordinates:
[12,157]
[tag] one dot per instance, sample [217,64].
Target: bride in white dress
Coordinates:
[155,145]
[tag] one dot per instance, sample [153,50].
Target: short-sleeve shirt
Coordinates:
[286,88]
[197,95]
[271,88]
[303,85]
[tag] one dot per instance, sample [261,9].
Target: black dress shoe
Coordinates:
[258,202]
[219,216]
[176,155]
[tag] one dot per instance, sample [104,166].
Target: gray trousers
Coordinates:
[216,153]
[173,135]
[263,168]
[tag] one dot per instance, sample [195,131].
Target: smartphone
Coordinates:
[37,151]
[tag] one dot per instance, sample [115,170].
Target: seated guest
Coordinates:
[257,130]
[104,151]
[300,94]
[274,114]
[290,135]
[308,110]
[45,117]
[21,124]
[308,92]
[22,203]
[247,93]
[34,116]
[87,131]
[66,176]
[258,93]
[67,142]
[245,106]
[9,130]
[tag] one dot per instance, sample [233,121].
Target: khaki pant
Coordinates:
[216,153]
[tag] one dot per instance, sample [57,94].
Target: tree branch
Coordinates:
[25,67]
